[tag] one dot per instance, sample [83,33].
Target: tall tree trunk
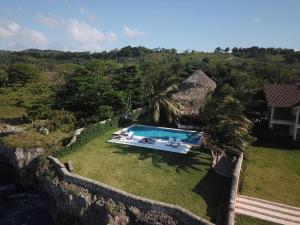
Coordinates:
[213,161]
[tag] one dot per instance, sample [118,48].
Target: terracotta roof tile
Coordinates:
[282,95]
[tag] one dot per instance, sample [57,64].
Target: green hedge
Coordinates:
[87,135]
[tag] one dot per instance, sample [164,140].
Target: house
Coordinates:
[191,96]
[284,106]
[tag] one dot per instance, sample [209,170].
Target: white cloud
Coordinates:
[87,13]
[8,29]
[257,19]
[88,37]
[132,32]
[48,21]
[36,36]
[16,37]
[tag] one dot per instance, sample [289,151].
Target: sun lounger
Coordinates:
[147,141]
[150,141]
[176,143]
[116,136]
[170,141]
[143,141]
[130,135]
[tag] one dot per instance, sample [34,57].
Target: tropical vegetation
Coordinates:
[62,91]
[160,102]
[227,128]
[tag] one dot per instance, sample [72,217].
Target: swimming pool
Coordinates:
[190,137]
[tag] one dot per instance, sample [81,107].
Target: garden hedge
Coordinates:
[89,133]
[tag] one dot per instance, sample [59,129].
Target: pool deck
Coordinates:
[158,145]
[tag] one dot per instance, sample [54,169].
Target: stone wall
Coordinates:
[234,190]
[144,204]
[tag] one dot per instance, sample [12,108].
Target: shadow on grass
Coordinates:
[272,146]
[14,121]
[213,188]
[181,162]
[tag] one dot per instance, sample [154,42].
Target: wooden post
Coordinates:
[296,124]
[271,118]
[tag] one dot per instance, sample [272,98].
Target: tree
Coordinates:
[205,60]
[20,74]
[87,94]
[226,126]
[128,80]
[226,50]
[218,50]
[160,100]
[3,78]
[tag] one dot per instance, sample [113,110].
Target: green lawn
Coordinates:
[245,220]
[185,180]
[272,174]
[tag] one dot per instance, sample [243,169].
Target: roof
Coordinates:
[282,95]
[193,91]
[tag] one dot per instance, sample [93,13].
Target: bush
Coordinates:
[61,119]
[3,78]
[104,112]
[88,134]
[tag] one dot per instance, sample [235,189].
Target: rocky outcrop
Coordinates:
[25,208]
[20,157]
[8,129]
[23,161]
[75,136]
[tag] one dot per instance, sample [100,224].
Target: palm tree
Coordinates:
[226,126]
[160,99]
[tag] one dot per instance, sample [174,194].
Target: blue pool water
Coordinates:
[190,137]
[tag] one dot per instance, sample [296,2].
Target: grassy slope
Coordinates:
[272,174]
[15,101]
[31,139]
[245,220]
[13,105]
[185,180]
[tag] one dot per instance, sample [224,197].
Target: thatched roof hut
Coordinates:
[192,93]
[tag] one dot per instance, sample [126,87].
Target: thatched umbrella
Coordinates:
[192,93]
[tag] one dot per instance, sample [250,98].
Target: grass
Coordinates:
[245,220]
[184,180]
[15,101]
[32,138]
[11,112]
[272,173]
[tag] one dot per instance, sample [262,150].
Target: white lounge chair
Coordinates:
[176,143]
[130,135]
[170,141]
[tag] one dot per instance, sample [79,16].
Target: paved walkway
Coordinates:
[266,210]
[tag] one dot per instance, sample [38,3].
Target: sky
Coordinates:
[74,25]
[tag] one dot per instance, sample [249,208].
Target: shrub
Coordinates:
[89,133]
[61,119]
[105,112]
